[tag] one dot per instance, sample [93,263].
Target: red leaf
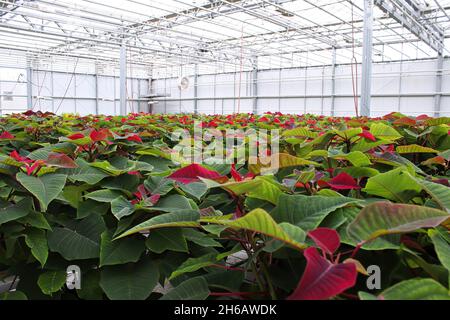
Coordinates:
[154,198]
[191,173]
[366,134]
[236,175]
[135,138]
[422,117]
[61,160]
[405,121]
[322,279]
[34,166]
[29,113]
[76,136]
[6,135]
[16,156]
[343,181]
[327,239]
[100,135]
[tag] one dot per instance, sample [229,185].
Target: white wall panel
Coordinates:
[414,80]
[85,86]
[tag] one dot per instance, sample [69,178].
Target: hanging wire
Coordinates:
[68,85]
[39,90]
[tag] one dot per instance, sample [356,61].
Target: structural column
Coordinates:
[438,96]
[255,86]
[96,89]
[123,79]
[333,82]
[29,88]
[196,89]
[366,80]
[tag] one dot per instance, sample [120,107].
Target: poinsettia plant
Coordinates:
[109,194]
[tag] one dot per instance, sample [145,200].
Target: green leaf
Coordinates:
[296,233]
[308,212]
[11,212]
[281,160]
[108,168]
[349,133]
[201,238]
[194,264]
[52,281]
[192,289]
[366,296]
[119,251]
[171,203]
[402,190]
[131,281]
[36,240]
[259,221]
[35,219]
[13,295]
[167,239]
[121,207]
[104,195]
[79,239]
[300,132]
[383,131]
[364,145]
[381,218]
[237,187]
[441,246]
[89,207]
[390,241]
[181,218]
[90,286]
[416,289]
[437,121]
[414,148]
[73,194]
[85,173]
[45,188]
[439,192]
[360,172]
[356,158]
[195,189]
[126,183]
[269,190]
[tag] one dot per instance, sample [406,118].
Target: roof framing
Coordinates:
[172,33]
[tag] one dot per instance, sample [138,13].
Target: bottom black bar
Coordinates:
[247,310]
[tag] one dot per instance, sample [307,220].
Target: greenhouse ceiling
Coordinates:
[220,35]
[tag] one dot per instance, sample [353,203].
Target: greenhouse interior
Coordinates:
[224,150]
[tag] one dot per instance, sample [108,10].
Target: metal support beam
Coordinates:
[366,80]
[333,82]
[255,86]
[438,96]
[196,89]
[123,79]
[412,18]
[29,88]
[96,89]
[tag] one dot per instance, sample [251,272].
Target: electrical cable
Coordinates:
[68,85]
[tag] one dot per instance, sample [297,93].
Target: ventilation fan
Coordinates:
[183,83]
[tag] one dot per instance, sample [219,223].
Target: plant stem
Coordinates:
[269,281]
